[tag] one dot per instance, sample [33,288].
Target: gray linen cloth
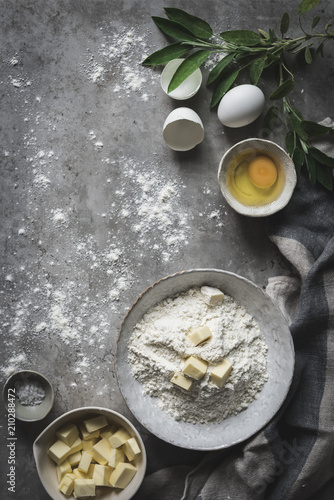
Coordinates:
[293,456]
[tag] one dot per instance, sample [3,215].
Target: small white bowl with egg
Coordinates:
[257,177]
[75,431]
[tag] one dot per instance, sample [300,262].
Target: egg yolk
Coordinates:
[262,172]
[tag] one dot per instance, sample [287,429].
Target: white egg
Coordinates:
[183,129]
[241,106]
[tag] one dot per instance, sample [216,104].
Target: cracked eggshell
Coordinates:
[188,88]
[183,129]
[241,106]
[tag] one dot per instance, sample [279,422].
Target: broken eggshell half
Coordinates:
[188,88]
[183,129]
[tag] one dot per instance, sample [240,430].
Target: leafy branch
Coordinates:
[253,52]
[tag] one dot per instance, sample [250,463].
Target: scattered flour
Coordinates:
[118,54]
[159,345]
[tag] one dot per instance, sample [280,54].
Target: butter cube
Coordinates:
[79,474]
[195,367]
[108,431]
[74,459]
[88,435]
[122,475]
[117,456]
[59,451]
[101,451]
[212,296]
[84,488]
[76,446]
[95,423]
[63,468]
[68,433]
[88,444]
[66,485]
[182,381]
[131,449]
[101,475]
[86,460]
[220,373]
[119,438]
[199,335]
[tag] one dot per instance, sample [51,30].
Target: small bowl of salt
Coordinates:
[28,395]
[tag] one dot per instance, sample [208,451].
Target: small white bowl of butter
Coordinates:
[89,452]
[257,177]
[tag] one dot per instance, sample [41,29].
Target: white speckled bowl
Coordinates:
[46,467]
[280,363]
[272,149]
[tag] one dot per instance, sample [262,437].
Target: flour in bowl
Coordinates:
[159,346]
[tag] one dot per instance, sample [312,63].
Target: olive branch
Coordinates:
[254,52]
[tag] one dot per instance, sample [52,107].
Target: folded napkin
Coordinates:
[293,456]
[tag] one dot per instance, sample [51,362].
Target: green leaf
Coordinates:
[187,67]
[324,176]
[320,49]
[298,159]
[284,89]
[197,26]
[241,37]
[222,87]
[296,125]
[314,129]
[219,68]
[321,157]
[264,34]
[307,5]
[315,22]
[174,29]
[168,53]
[269,120]
[311,168]
[290,142]
[256,68]
[308,55]
[285,22]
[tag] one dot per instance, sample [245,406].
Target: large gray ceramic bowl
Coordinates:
[234,429]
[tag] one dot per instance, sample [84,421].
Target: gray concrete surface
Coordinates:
[95,207]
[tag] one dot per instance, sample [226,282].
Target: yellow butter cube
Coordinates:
[86,460]
[212,296]
[131,449]
[195,367]
[122,475]
[101,451]
[220,373]
[84,488]
[117,456]
[68,433]
[63,468]
[76,446]
[108,431]
[66,485]
[88,444]
[59,451]
[119,438]
[101,474]
[199,335]
[74,459]
[95,423]
[79,474]
[180,380]
[88,435]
